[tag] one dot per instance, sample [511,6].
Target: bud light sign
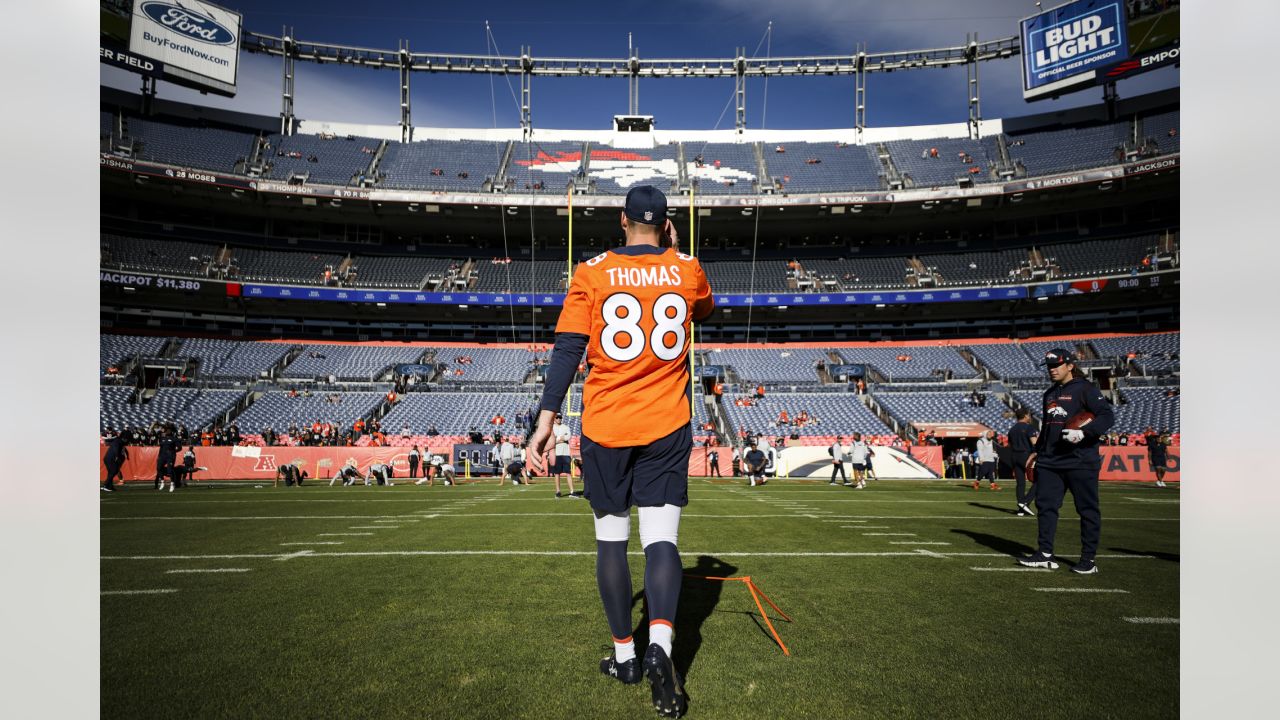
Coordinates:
[1062,47]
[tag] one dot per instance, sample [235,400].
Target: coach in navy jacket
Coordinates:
[1067,458]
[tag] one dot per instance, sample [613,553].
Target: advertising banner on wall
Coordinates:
[198,42]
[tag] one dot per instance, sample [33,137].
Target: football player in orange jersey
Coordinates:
[630,309]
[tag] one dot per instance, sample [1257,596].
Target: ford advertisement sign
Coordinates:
[198,42]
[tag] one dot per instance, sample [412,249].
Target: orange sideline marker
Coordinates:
[756,594]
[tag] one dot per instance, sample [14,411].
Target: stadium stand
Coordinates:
[944,406]
[524,276]
[402,273]
[1162,128]
[231,359]
[543,166]
[1051,151]
[726,168]
[986,268]
[362,363]
[193,407]
[1149,408]
[1082,259]
[115,350]
[461,165]
[1153,354]
[455,413]
[735,276]
[301,268]
[939,162]
[277,410]
[1009,361]
[830,413]
[174,257]
[759,365]
[189,146]
[321,159]
[614,172]
[840,166]
[919,363]
[467,366]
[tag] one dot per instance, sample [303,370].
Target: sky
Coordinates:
[659,29]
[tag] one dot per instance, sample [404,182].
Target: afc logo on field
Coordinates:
[266,463]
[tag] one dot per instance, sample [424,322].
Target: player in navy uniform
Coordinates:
[1157,456]
[166,458]
[1022,440]
[117,453]
[1066,458]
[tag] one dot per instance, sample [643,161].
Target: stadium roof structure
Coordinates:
[526,65]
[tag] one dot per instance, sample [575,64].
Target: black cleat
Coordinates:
[1039,560]
[1085,567]
[667,685]
[626,672]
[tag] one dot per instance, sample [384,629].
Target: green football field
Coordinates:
[479,601]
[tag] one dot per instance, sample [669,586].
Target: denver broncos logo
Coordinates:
[1055,411]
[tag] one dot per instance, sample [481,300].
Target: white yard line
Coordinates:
[1010,569]
[930,553]
[160,591]
[1152,620]
[208,570]
[372,527]
[290,556]
[584,553]
[889,534]
[316,542]
[916,542]
[341,534]
[1081,590]
[370,518]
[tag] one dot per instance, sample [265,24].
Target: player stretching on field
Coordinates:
[630,309]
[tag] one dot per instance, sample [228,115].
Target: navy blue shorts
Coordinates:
[643,476]
[561,466]
[515,468]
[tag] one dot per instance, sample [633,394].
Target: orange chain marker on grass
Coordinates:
[756,594]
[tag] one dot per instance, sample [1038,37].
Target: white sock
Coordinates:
[660,635]
[623,652]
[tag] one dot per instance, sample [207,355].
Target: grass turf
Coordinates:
[399,623]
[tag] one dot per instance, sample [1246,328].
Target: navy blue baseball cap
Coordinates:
[646,204]
[1056,357]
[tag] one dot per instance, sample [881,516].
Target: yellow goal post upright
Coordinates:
[568,398]
[693,327]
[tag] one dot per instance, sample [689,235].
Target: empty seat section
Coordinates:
[361,363]
[275,409]
[188,145]
[783,365]
[955,158]
[829,413]
[1051,151]
[817,167]
[461,165]
[174,257]
[329,161]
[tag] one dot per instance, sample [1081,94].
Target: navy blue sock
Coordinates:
[614,578]
[662,576]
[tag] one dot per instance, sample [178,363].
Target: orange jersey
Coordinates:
[635,305]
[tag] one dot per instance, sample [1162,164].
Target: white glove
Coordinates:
[1073,435]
